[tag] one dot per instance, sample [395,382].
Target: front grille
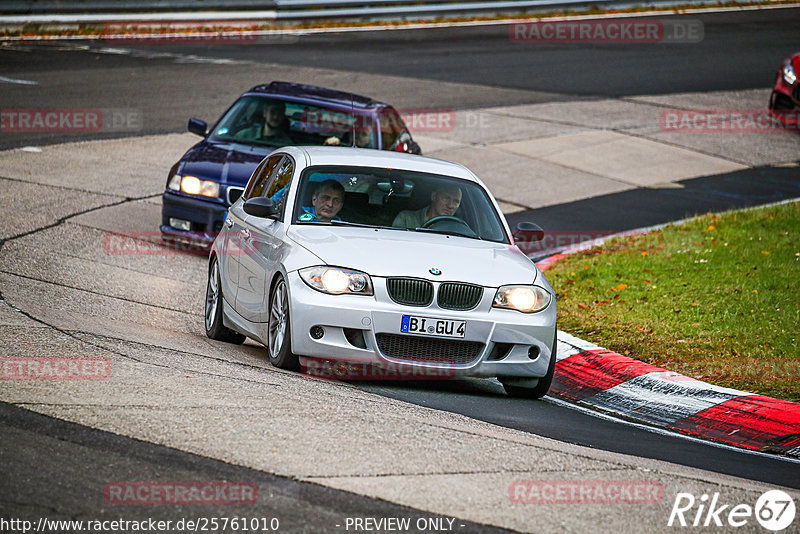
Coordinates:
[410,291]
[425,349]
[458,296]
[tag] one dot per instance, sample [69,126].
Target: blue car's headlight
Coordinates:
[193,186]
[789,75]
[526,299]
[335,281]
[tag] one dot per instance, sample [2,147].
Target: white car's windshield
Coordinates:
[273,122]
[398,199]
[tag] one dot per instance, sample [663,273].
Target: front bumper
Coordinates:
[204,216]
[784,102]
[505,343]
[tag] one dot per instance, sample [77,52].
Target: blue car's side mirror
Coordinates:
[196,126]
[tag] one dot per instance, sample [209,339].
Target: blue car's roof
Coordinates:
[316,94]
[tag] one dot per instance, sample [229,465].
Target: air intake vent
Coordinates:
[410,291]
[429,350]
[458,296]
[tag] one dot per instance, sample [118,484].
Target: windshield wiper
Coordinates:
[448,232]
[245,142]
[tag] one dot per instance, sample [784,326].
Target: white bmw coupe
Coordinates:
[381,258]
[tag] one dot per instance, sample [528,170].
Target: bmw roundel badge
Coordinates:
[435,271]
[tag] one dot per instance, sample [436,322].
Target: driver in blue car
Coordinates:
[326,203]
[444,202]
[271,126]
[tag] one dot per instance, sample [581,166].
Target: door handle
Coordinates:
[228,222]
[246,233]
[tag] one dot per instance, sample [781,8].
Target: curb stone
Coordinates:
[603,380]
[598,378]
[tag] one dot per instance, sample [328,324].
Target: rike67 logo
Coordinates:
[774,511]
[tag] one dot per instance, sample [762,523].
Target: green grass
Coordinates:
[716,298]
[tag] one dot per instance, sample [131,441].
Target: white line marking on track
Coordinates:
[577,342]
[5,79]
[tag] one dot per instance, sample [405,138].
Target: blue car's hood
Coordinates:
[230,164]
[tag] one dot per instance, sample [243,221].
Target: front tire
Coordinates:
[215,329]
[279,339]
[542,387]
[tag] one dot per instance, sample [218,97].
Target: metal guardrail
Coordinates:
[16,13]
[61,10]
[43,7]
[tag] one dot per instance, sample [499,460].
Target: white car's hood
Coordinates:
[380,252]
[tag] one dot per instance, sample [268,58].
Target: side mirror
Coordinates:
[196,126]
[527,232]
[260,207]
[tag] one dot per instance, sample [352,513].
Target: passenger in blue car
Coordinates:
[326,202]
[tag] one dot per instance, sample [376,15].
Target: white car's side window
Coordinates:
[279,183]
[260,178]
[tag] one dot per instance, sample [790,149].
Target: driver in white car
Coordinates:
[444,202]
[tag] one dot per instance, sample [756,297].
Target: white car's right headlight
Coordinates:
[526,299]
[336,281]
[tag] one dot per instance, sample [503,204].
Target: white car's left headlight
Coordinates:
[336,281]
[526,299]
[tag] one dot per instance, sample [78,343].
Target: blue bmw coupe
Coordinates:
[212,174]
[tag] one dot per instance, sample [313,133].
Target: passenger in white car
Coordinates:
[444,201]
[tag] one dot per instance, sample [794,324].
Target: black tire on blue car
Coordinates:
[542,387]
[279,336]
[215,329]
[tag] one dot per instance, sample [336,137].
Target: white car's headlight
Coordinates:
[789,75]
[194,186]
[336,281]
[527,299]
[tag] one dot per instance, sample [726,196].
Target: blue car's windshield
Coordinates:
[401,199]
[272,122]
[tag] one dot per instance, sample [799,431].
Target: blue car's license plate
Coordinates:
[414,324]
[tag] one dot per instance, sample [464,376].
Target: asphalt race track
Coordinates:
[47,441]
[739,51]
